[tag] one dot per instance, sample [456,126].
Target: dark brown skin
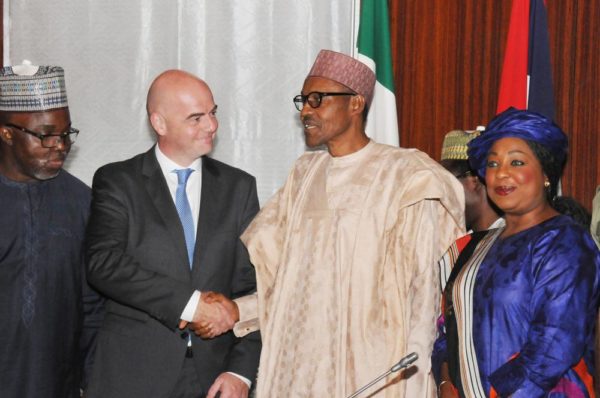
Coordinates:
[22,157]
[479,212]
[337,123]
[515,183]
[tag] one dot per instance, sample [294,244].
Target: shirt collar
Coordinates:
[167,165]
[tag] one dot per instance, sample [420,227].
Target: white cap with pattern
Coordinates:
[29,88]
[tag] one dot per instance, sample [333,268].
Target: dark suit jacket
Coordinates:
[137,257]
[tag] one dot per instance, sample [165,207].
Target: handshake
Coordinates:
[215,315]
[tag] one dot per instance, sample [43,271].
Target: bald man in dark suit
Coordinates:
[164,232]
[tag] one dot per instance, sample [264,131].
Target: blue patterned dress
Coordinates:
[535,300]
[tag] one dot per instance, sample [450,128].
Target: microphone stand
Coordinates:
[403,363]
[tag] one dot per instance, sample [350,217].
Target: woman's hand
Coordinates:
[447,390]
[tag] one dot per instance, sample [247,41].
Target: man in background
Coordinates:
[164,231]
[346,251]
[480,213]
[48,315]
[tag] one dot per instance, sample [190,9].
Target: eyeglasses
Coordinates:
[314,99]
[468,173]
[51,140]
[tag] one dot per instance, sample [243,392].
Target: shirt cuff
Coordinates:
[242,378]
[248,310]
[190,308]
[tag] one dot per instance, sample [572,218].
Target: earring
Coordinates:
[546,183]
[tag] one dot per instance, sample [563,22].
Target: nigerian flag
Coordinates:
[374,49]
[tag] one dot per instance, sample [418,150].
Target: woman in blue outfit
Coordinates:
[521,302]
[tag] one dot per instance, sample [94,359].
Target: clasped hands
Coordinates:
[215,315]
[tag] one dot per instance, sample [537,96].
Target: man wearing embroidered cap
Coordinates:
[479,212]
[49,316]
[346,251]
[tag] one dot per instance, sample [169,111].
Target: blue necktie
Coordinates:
[185,212]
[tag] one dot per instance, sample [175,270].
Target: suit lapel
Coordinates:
[157,189]
[209,202]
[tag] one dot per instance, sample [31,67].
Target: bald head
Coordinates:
[182,112]
[169,84]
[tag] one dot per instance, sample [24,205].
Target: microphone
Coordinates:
[403,363]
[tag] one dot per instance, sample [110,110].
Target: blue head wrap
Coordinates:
[529,126]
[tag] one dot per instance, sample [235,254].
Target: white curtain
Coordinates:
[253,53]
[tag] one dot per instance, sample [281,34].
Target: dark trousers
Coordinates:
[188,385]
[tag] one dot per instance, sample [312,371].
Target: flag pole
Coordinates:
[355,25]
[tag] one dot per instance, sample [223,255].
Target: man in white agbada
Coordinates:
[346,251]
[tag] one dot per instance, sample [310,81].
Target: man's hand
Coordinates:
[228,315]
[229,386]
[215,315]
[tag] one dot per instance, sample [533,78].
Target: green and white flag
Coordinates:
[374,49]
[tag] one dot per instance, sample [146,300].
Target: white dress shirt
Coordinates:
[193,190]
